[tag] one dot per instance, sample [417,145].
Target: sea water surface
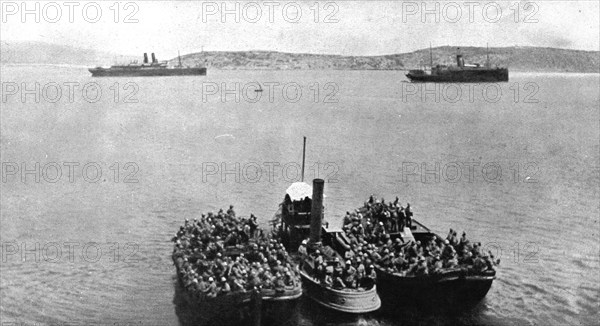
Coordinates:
[516,170]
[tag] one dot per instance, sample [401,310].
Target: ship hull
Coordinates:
[352,302]
[431,291]
[101,72]
[269,307]
[462,76]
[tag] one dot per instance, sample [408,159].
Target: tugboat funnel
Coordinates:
[153,58]
[316,213]
[145,57]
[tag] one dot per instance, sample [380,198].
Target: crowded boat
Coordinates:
[219,254]
[378,234]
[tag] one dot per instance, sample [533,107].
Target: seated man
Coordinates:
[338,283]
[328,278]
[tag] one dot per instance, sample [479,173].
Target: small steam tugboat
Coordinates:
[327,280]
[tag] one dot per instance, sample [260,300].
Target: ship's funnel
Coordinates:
[145,57]
[316,213]
[459,60]
[153,58]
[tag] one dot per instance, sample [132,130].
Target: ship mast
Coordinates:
[430,56]
[303,157]
[487,63]
[179,56]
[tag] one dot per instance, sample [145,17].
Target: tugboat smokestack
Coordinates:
[153,58]
[316,213]
[145,57]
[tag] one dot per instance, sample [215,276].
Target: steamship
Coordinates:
[461,73]
[147,69]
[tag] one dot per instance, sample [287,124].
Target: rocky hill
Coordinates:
[533,59]
[516,58]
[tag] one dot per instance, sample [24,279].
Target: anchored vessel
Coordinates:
[147,69]
[461,73]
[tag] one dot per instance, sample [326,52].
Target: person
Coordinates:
[371,278]
[338,283]
[350,275]
[212,289]
[401,219]
[394,220]
[230,211]
[421,269]
[347,218]
[360,270]
[328,278]
[409,215]
[253,225]
[302,249]
[224,286]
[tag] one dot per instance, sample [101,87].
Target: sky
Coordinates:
[326,27]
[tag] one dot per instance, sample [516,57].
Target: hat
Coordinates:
[348,262]
[223,279]
[210,279]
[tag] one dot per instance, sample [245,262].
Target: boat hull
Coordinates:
[461,76]
[147,72]
[353,302]
[442,290]
[239,308]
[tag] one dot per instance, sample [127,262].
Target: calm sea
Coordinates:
[96,179]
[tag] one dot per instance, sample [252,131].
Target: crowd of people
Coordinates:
[221,253]
[354,273]
[370,228]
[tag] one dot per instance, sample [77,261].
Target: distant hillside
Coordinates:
[46,53]
[516,58]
